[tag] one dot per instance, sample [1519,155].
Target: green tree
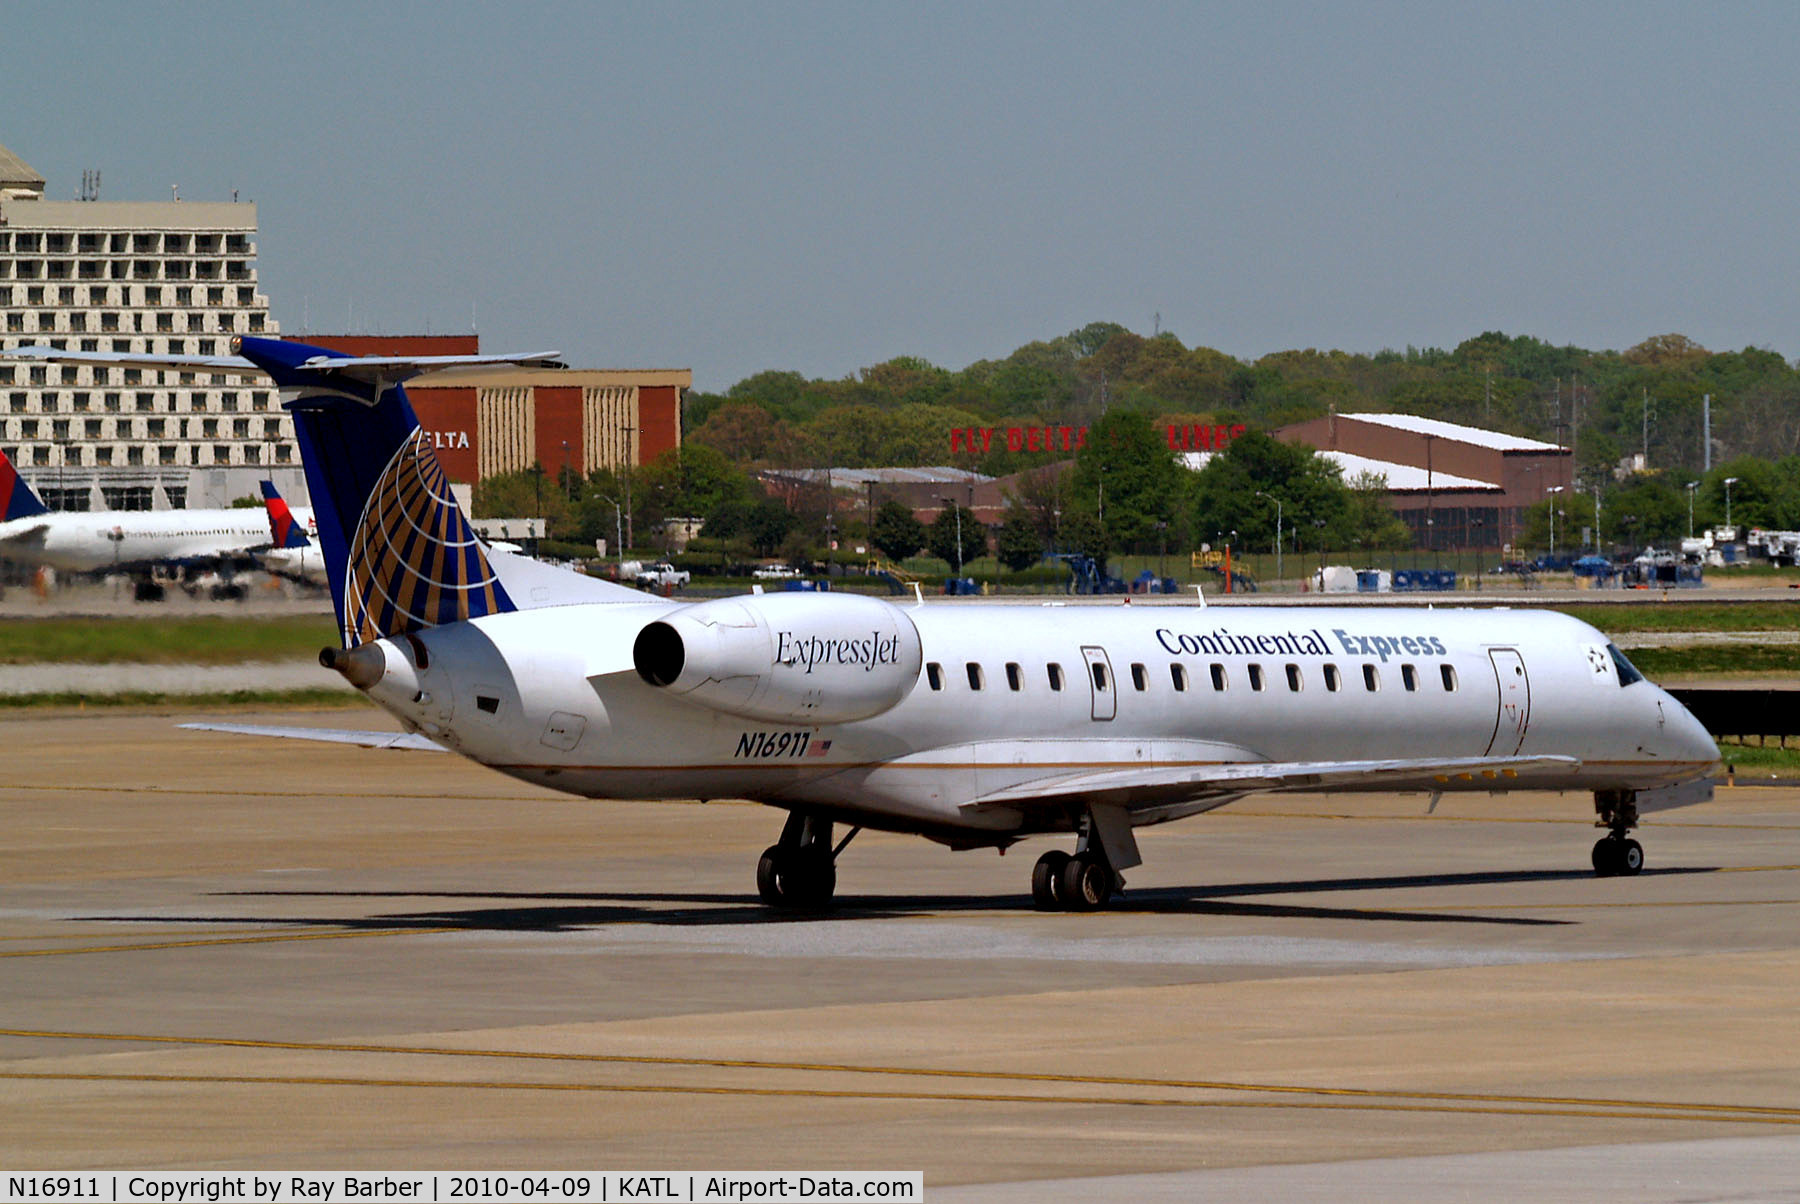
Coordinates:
[1019,545]
[897,533]
[953,521]
[762,525]
[1648,509]
[1313,496]
[1127,477]
[528,493]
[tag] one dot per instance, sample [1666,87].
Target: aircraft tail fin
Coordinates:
[398,550]
[283,530]
[16,498]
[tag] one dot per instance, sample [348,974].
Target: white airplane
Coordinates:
[88,541]
[974,726]
[291,554]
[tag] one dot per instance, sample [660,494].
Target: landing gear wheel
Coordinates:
[1618,857]
[768,881]
[1629,859]
[1046,880]
[801,878]
[1087,883]
[1605,857]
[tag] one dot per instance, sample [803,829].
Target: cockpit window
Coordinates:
[1628,674]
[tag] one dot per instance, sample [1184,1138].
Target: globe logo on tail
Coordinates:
[415,562]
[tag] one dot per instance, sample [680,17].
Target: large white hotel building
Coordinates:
[164,276]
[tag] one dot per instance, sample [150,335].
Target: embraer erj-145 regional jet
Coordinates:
[88,541]
[974,726]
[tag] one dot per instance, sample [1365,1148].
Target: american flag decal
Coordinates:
[415,562]
[818,748]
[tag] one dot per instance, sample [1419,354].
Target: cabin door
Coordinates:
[1100,682]
[1514,709]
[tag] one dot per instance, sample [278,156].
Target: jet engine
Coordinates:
[784,658]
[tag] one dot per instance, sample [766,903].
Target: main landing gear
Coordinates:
[1616,855]
[1089,879]
[799,871]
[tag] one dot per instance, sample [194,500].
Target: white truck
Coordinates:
[662,576]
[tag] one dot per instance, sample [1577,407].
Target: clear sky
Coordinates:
[819,187]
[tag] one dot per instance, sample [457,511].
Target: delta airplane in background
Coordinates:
[89,541]
[291,554]
[975,726]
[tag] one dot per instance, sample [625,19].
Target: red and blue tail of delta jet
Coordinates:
[16,498]
[285,532]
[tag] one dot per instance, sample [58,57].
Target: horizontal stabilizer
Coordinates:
[1153,785]
[326,735]
[366,368]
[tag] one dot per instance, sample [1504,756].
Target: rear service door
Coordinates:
[1514,710]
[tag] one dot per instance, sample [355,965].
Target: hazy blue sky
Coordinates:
[820,187]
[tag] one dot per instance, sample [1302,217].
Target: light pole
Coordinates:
[1277,501]
[957,510]
[1691,486]
[1729,482]
[568,485]
[618,531]
[1553,489]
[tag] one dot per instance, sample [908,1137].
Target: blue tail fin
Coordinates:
[283,530]
[16,498]
[399,552]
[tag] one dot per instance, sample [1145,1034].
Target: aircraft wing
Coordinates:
[1152,786]
[327,735]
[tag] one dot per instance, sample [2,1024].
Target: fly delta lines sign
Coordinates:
[979,440]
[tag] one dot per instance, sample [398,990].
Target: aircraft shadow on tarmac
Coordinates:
[565,911]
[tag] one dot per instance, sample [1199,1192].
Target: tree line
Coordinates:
[1126,490]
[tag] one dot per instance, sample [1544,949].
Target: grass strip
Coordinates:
[1773,659]
[152,698]
[193,640]
[1687,616]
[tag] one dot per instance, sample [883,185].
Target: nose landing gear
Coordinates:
[1616,855]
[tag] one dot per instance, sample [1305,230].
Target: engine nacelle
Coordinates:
[786,658]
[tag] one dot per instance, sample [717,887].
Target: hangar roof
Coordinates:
[1453,430]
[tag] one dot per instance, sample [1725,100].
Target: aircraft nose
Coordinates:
[1687,737]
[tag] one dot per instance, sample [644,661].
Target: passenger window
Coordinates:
[1332,680]
[1371,678]
[1218,677]
[1448,673]
[974,671]
[1099,675]
[1409,677]
[1140,678]
[1178,677]
[1015,678]
[934,675]
[1056,678]
[1293,676]
[1256,677]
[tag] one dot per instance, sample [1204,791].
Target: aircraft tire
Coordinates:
[1606,857]
[1629,860]
[1046,880]
[768,879]
[800,878]
[1087,884]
